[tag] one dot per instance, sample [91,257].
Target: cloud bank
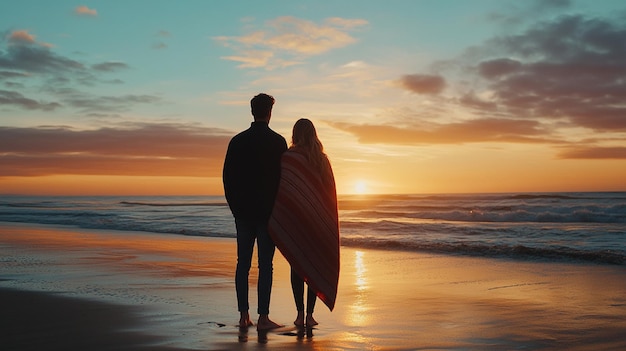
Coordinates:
[148,149]
[572,69]
[568,72]
[27,62]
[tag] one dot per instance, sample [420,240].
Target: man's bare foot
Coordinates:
[244,320]
[299,322]
[265,323]
[310,321]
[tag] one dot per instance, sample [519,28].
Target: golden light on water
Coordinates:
[359,265]
[359,311]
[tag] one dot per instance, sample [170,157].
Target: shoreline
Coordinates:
[178,293]
[515,254]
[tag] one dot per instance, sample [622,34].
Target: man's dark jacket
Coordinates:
[252,172]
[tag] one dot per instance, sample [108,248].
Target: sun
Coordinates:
[360,187]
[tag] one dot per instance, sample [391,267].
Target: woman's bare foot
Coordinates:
[310,321]
[265,323]
[299,322]
[244,320]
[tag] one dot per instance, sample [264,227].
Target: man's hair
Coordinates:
[261,106]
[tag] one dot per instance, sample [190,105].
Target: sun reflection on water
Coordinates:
[359,307]
[359,266]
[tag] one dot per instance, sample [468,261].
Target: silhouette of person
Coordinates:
[307,179]
[251,174]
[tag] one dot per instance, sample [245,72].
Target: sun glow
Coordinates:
[360,187]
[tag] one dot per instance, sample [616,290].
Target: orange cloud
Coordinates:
[150,150]
[594,153]
[483,130]
[21,36]
[111,185]
[25,38]
[85,11]
[305,37]
[252,58]
[287,39]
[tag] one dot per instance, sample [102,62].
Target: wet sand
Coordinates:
[65,288]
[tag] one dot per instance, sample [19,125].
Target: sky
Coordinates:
[426,96]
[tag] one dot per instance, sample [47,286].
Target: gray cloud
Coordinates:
[22,57]
[541,5]
[493,69]
[35,58]
[159,45]
[109,66]
[17,99]
[517,12]
[423,83]
[525,87]
[10,74]
[14,85]
[570,68]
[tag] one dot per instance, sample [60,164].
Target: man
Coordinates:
[251,175]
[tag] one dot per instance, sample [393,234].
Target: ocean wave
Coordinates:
[172,204]
[580,214]
[617,195]
[567,226]
[490,250]
[41,204]
[573,196]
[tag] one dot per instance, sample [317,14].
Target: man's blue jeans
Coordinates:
[247,232]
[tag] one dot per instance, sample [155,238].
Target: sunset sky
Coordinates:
[142,97]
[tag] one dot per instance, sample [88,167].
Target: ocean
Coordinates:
[576,227]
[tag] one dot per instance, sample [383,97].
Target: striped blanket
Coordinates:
[305,226]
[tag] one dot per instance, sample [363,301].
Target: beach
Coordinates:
[69,288]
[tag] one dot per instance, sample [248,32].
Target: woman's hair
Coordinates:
[304,138]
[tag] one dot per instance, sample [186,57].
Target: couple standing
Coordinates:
[286,198]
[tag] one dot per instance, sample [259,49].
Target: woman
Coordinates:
[304,223]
